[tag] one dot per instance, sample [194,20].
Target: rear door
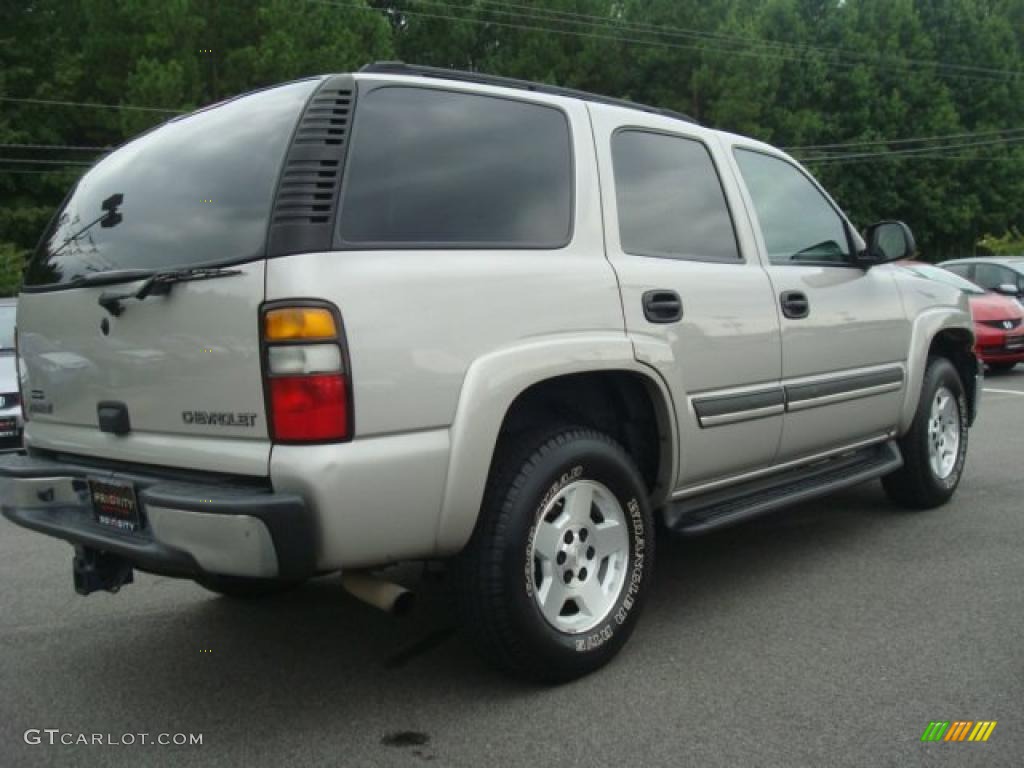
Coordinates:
[691,280]
[845,334]
[182,366]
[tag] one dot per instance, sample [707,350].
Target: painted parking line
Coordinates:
[1003,391]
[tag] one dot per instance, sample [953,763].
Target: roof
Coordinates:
[401,68]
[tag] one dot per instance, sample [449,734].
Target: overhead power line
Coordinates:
[922,150]
[42,162]
[90,104]
[612,25]
[773,49]
[549,30]
[908,140]
[68,147]
[19,171]
[949,152]
[738,39]
[903,158]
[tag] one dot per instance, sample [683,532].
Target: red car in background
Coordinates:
[998,319]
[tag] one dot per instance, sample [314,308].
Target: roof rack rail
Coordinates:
[401,68]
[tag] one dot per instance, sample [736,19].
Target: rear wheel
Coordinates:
[241,588]
[935,447]
[551,584]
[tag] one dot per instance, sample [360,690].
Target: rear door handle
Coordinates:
[795,304]
[662,306]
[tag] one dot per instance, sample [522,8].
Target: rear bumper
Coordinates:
[189,529]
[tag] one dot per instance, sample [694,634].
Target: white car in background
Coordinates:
[11,423]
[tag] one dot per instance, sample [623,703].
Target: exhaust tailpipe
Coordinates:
[386,595]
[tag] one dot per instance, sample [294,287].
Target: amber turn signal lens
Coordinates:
[299,323]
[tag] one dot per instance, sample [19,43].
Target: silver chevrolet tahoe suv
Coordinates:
[411,314]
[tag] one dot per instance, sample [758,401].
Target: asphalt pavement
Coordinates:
[828,634]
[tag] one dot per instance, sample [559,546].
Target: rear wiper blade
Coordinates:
[159,284]
[108,277]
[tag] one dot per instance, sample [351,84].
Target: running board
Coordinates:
[717,509]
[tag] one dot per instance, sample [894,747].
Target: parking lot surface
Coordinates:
[828,634]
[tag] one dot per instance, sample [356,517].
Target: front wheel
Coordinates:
[935,447]
[550,585]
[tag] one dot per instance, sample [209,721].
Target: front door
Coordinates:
[845,334]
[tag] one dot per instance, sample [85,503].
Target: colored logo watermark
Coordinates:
[958,730]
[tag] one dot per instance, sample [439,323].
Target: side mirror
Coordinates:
[887,241]
[1007,289]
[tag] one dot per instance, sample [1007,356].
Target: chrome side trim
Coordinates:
[737,416]
[853,394]
[811,392]
[731,406]
[693,490]
[727,407]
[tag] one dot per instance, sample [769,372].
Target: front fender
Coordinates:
[492,384]
[927,325]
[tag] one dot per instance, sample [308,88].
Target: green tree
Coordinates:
[12,262]
[791,72]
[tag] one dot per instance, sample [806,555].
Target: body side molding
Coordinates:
[730,407]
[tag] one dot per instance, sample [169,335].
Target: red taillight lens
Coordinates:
[306,408]
[307,386]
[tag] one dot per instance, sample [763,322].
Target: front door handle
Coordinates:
[795,304]
[662,306]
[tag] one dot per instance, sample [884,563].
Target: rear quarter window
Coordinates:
[432,168]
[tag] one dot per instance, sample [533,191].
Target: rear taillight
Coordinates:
[308,391]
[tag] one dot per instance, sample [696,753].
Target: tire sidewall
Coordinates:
[941,373]
[583,458]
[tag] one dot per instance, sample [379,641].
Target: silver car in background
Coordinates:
[11,423]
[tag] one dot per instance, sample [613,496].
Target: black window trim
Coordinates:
[851,256]
[718,174]
[365,88]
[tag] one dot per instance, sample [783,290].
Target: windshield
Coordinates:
[196,190]
[944,276]
[7,314]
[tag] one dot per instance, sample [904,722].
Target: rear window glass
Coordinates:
[670,199]
[434,168]
[196,190]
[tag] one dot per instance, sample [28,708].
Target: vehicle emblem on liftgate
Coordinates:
[219,419]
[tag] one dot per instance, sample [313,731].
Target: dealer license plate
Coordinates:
[114,504]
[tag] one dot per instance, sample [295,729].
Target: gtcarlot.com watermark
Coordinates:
[57,737]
